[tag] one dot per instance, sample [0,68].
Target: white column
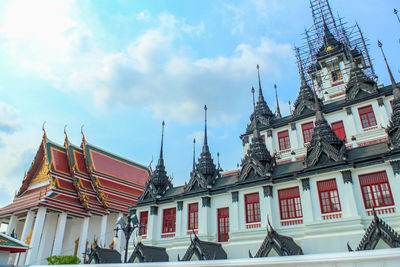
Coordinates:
[204,211]
[306,201]
[152,224]
[83,237]
[117,245]
[349,206]
[36,236]
[12,224]
[103,229]
[267,206]
[233,213]
[180,227]
[60,230]
[294,142]
[25,232]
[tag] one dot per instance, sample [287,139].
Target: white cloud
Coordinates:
[9,118]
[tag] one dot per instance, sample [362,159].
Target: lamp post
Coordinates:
[127,228]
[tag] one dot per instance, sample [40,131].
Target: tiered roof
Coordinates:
[79,181]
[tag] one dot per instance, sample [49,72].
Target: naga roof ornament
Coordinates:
[258,162]
[393,130]
[264,113]
[159,182]
[305,100]
[324,146]
[358,80]
[205,172]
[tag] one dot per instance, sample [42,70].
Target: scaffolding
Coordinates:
[314,39]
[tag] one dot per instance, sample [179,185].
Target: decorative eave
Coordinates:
[376,231]
[283,245]
[203,250]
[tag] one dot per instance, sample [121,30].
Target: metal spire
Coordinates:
[162,140]
[366,50]
[394,85]
[205,125]
[301,70]
[260,94]
[255,133]
[194,154]
[395,12]
[278,110]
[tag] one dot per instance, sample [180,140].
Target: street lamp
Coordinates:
[128,228]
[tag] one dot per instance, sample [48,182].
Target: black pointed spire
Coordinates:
[205,127]
[260,94]
[393,129]
[278,110]
[194,154]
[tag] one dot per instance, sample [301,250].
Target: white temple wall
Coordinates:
[94,229]
[47,239]
[72,232]
[111,225]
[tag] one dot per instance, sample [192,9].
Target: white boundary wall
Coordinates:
[371,258]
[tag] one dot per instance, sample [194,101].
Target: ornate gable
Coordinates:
[330,45]
[324,146]
[203,250]
[143,253]
[376,231]
[205,172]
[283,245]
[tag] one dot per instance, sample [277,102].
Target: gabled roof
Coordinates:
[203,250]
[376,231]
[11,244]
[104,255]
[148,254]
[283,245]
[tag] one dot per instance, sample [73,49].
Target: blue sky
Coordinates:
[121,67]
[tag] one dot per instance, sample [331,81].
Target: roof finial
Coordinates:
[218,161]
[194,154]
[162,140]
[300,64]
[44,130]
[255,113]
[366,51]
[83,135]
[278,110]
[290,107]
[205,125]
[260,94]
[66,135]
[396,91]
[395,12]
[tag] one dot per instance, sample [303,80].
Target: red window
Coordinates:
[144,218]
[193,216]
[328,196]
[307,131]
[376,190]
[367,116]
[252,208]
[223,224]
[289,203]
[169,219]
[284,141]
[263,138]
[338,128]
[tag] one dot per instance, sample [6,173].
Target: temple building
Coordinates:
[316,179]
[70,198]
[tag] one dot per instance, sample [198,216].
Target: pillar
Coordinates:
[32,253]
[349,206]
[30,216]
[152,224]
[204,216]
[117,245]
[267,207]
[234,213]
[306,201]
[59,237]
[350,123]
[180,226]
[12,224]
[83,237]
[103,229]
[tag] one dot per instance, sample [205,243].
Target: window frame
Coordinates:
[253,212]
[334,128]
[323,187]
[285,145]
[223,214]
[367,110]
[193,209]
[144,219]
[372,194]
[169,225]
[294,203]
[310,130]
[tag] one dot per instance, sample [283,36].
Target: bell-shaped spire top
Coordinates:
[393,130]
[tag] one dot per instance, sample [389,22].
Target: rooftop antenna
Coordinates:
[366,51]
[278,111]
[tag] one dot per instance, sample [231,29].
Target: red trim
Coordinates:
[223,224]
[367,116]
[144,218]
[193,216]
[13,250]
[284,140]
[338,94]
[169,220]
[290,203]
[252,206]
[307,129]
[375,190]
[328,196]
[336,84]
